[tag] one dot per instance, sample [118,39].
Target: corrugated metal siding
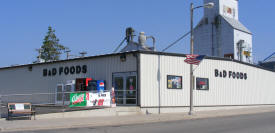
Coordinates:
[257,89]
[148,80]
[169,65]
[22,81]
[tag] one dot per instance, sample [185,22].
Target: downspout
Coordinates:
[159,77]
[137,54]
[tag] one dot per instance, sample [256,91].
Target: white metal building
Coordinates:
[220,33]
[153,81]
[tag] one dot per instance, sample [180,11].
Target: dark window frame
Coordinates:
[207,84]
[173,76]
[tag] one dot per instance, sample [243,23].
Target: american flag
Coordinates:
[194,59]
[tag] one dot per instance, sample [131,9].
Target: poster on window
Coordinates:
[99,99]
[174,82]
[202,84]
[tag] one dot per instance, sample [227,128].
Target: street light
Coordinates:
[208,5]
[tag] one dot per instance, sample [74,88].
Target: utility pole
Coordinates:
[192,8]
[191,65]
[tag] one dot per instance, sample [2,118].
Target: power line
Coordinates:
[176,41]
[120,44]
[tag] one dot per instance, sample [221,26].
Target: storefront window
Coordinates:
[174,82]
[202,83]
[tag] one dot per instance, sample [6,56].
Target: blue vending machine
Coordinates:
[96,85]
[100,85]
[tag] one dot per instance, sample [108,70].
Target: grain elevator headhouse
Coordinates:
[220,33]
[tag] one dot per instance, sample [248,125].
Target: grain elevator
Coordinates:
[220,33]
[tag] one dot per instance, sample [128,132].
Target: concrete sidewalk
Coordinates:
[43,124]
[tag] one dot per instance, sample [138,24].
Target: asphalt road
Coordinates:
[256,123]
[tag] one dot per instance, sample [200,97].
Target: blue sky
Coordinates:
[98,26]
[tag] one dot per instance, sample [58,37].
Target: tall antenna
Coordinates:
[68,53]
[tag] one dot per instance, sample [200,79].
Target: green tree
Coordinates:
[51,48]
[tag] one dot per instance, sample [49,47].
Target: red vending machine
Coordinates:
[82,84]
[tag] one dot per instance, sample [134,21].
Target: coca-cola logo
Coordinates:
[78,99]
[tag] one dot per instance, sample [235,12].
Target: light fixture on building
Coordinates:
[123,57]
[30,68]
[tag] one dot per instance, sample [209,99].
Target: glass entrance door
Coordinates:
[125,85]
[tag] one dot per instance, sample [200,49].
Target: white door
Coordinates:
[68,89]
[59,94]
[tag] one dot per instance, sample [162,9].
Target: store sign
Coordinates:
[99,99]
[78,99]
[230,74]
[65,70]
[19,106]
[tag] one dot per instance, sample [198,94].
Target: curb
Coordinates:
[147,119]
[99,124]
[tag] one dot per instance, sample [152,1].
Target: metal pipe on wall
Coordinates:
[159,78]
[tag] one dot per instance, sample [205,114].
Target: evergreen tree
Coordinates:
[51,48]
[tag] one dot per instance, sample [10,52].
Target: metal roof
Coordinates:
[139,51]
[236,24]
[270,58]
